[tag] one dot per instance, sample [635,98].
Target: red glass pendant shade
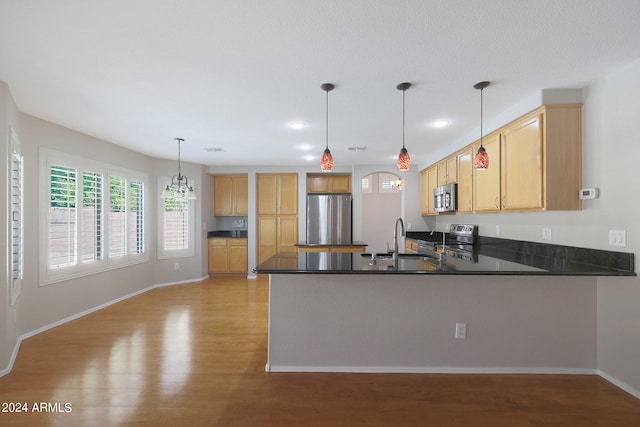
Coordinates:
[481,160]
[326,163]
[404,161]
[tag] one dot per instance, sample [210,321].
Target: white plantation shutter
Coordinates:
[16,218]
[62,217]
[117,217]
[93,223]
[92,217]
[176,225]
[136,217]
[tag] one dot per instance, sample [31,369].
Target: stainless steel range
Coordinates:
[461,241]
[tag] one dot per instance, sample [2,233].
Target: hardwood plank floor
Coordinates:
[194,354]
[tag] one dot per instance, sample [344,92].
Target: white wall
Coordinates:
[611,156]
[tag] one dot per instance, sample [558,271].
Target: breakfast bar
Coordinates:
[341,312]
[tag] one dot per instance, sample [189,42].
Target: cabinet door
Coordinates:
[267,194]
[267,238]
[442,172]
[218,256]
[521,154]
[240,195]
[318,184]
[222,196]
[237,255]
[486,182]
[340,184]
[424,192]
[433,183]
[465,180]
[287,233]
[288,194]
[452,169]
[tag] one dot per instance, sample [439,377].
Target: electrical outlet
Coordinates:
[461,330]
[176,266]
[617,238]
[497,229]
[546,233]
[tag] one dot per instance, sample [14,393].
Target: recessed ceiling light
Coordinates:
[304,147]
[354,149]
[297,124]
[309,158]
[214,149]
[440,123]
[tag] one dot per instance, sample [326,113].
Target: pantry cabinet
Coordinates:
[277,224]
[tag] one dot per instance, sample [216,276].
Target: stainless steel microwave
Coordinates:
[444,198]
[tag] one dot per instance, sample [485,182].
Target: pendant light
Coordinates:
[481,160]
[326,163]
[404,161]
[179,188]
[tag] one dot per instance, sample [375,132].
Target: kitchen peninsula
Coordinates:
[339,312]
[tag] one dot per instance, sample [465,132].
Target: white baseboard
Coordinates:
[37,331]
[624,386]
[432,370]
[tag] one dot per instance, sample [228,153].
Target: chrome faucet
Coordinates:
[444,250]
[395,239]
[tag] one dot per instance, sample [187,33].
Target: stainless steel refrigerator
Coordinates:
[329,218]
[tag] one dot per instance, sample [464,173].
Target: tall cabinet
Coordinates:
[277,214]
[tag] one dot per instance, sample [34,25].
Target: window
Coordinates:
[16,217]
[78,191]
[176,226]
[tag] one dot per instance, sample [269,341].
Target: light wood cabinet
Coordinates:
[447,170]
[277,214]
[332,183]
[486,182]
[428,181]
[465,180]
[521,165]
[277,194]
[228,256]
[230,195]
[537,165]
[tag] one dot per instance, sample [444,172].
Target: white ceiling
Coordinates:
[232,74]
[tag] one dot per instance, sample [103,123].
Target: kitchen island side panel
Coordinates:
[382,323]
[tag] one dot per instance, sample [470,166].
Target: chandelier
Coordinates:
[179,188]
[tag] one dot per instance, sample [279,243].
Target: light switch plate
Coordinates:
[546,233]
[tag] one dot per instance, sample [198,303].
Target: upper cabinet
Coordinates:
[486,182]
[448,170]
[465,180]
[328,183]
[230,197]
[534,164]
[428,181]
[277,194]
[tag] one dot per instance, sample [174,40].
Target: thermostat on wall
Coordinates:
[588,193]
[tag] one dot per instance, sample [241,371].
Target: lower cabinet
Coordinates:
[228,256]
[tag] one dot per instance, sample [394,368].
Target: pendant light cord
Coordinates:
[403,92]
[481,110]
[327,121]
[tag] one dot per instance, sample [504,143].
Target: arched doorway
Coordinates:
[381,205]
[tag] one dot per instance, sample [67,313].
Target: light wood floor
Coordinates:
[194,355]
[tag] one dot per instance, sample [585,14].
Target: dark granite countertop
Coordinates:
[353,243]
[491,257]
[226,234]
